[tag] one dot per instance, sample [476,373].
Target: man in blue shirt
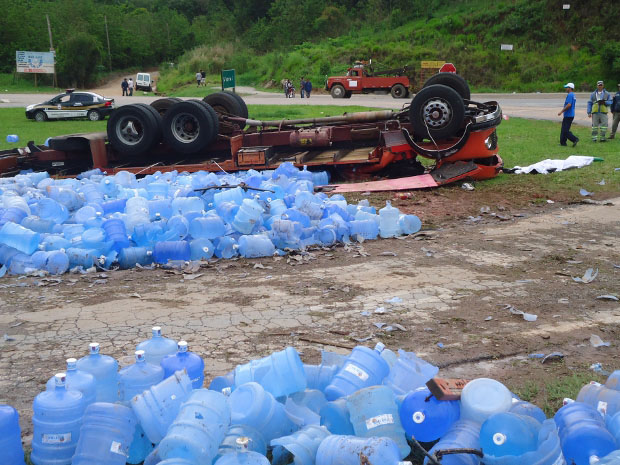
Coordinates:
[615,110]
[569,115]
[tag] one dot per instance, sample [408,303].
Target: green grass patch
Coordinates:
[17,83]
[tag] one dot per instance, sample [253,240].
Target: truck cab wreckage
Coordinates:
[215,134]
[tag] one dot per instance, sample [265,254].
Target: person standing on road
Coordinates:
[598,106]
[308,88]
[124,86]
[130,86]
[198,77]
[569,115]
[615,111]
[302,87]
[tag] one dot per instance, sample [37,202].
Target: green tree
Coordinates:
[78,57]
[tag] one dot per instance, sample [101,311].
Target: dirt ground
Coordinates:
[454,279]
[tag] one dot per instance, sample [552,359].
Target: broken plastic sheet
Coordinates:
[589,276]
[550,166]
[526,316]
[596,341]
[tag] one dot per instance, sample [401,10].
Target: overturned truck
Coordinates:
[440,123]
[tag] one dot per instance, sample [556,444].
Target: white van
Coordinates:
[144,82]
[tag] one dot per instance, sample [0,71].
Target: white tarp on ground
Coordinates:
[550,166]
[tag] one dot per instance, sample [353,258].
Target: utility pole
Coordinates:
[105,18]
[49,30]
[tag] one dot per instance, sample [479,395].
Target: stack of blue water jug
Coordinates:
[364,407]
[56,225]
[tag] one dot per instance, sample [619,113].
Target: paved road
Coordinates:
[535,106]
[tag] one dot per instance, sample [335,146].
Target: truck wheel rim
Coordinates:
[130,131]
[437,113]
[185,128]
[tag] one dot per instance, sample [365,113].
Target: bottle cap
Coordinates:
[140,356]
[499,438]
[60,379]
[226,391]
[418,417]
[156,331]
[71,364]
[379,347]
[94,348]
[243,443]
[182,346]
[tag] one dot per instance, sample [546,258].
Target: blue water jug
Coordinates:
[226,247]
[247,216]
[207,227]
[320,178]
[335,417]
[527,408]
[21,264]
[409,372]
[373,412]
[227,210]
[367,229]
[198,429]
[613,425]
[158,406]
[86,258]
[348,450]
[409,224]
[6,254]
[14,215]
[12,138]
[116,232]
[105,436]
[89,173]
[229,445]
[364,367]
[183,359]
[243,455]
[49,209]
[426,418]
[130,256]
[388,221]
[36,224]
[114,206]
[177,228]
[137,378]
[605,400]
[65,196]
[583,433]
[77,380]
[464,434]
[611,459]
[158,347]
[94,238]
[613,381]
[184,205]
[221,382]
[300,447]
[104,368]
[509,434]
[319,376]
[281,373]
[256,246]
[160,209]
[20,238]
[483,397]
[10,436]
[84,214]
[251,405]
[201,249]
[171,250]
[57,419]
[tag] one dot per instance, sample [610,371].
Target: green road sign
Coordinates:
[228,78]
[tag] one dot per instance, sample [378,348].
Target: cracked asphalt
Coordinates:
[452,286]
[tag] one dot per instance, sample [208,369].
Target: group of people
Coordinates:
[127,87]
[600,104]
[305,87]
[201,78]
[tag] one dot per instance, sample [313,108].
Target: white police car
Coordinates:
[72,105]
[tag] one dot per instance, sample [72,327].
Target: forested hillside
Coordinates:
[269,39]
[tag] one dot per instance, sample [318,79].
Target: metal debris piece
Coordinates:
[607,297]
[589,276]
[15,325]
[553,357]
[596,341]
[563,300]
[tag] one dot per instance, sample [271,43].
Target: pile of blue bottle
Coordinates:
[278,410]
[56,225]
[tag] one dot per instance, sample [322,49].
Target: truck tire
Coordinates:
[451,80]
[398,91]
[337,91]
[437,111]
[163,104]
[348,94]
[133,129]
[244,107]
[226,103]
[215,121]
[188,127]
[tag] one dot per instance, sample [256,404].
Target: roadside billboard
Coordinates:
[35,62]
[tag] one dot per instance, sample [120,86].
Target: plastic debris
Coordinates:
[394,300]
[601,182]
[379,325]
[467,186]
[474,219]
[3,271]
[584,193]
[607,297]
[526,316]
[536,356]
[488,318]
[440,345]
[8,338]
[596,341]
[394,327]
[553,357]
[365,313]
[485,210]
[363,339]
[589,276]
[380,310]
[598,368]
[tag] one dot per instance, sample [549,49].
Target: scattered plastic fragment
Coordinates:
[563,300]
[467,186]
[536,356]
[3,271]
[485,209]
[574,262]
[584,193]
[553,356]
[394,300]
[365,313]
[589,276]
[379,325]
[601,182]
[380,310]
[596,341]
[474,219]
[8,338]
[526,316]
[488,318]
[598,368]
[388,254]
[394,327]
[136,295]
[363,339]
[440,345]
[607,297]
